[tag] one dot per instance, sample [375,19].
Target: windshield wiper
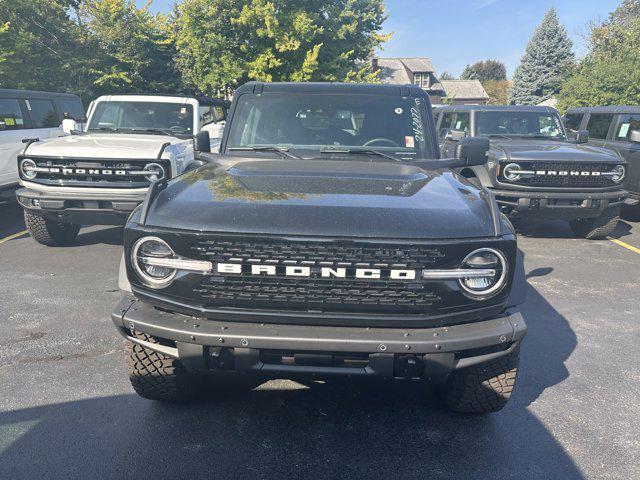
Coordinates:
[359,151]
[501,135]
[283,151]
[103,129]
[148,130]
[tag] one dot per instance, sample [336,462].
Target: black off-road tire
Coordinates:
[597,228]
[156,376]
[48,232]
[483,388]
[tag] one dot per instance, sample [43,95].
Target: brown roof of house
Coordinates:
[401,70]
[464,89]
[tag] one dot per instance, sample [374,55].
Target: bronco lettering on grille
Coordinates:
[323,272]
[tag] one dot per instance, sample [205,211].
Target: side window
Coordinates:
[445,125]
[11,115]
[463,122]
[71,108]
[598,125]
[42,113]
[625,125]
[572,121]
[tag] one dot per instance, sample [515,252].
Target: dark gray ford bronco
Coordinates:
[326,238]
[533,169]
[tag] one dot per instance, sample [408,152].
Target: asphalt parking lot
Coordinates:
[67,410]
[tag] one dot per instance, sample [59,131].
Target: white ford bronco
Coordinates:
[99,175]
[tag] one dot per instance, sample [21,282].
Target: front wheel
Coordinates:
[49,232]
[596,228]
[156,376]
[483,388]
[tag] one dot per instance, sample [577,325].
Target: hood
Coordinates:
[324,198]
[550,151]
[102,145]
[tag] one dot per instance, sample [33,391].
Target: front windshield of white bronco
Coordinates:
[511,123]
[393,125]
[143,117]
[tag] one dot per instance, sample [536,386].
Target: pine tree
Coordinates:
[547,62]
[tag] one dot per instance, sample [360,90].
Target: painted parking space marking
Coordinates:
[625,245]
[16,235]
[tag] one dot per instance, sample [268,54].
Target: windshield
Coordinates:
[393,125]
[143,117]
[519,124]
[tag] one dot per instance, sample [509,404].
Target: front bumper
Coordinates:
[79,205]
[432,353]
[552,204]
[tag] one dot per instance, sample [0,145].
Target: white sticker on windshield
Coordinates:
[624,129]
[409,141]
[398,110]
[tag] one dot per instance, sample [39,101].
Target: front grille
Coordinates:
[324,294]
[314,293]
[87,172]
[567,174]
[341,254]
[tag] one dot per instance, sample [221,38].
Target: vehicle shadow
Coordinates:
[545,228]
[342,428]
[97,235]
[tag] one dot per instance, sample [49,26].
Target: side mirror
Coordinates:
[634,136]
[455,135]
[69,125]
[202,142]
[472,151]
[582,136]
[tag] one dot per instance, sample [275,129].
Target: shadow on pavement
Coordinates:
[11,220]
[96,235]
[336,429]
[545,228]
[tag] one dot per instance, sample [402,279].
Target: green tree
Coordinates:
[498,91]
[38,48]
[446,76]
[547,62]
[131,50]
[609,74]
[484,71]
[223,43]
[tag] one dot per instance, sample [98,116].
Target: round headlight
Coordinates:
[142,254]
[508,172]
[156,172]
[618,173]
[483,287]
[26,168]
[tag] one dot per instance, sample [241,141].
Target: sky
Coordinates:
[455,33]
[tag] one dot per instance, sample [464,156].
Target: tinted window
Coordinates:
[318,121]
[462,122]
[446,123]
[43,114]
[71,108]
[10,115]
[174,118]
[598,125]
[572,121]
[626,124]
[518,123]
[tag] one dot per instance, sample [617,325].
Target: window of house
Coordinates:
[598,125]
[421,79]
[626,124]
[42,113]
[10,115]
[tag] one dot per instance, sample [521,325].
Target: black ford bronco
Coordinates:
[327,237]
[533,169]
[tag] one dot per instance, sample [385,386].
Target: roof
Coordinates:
[11,93]
[464,89]
[632,109]
[401,70]
[332,87]
[494,108]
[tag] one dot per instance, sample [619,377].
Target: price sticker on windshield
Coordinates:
[409,141]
